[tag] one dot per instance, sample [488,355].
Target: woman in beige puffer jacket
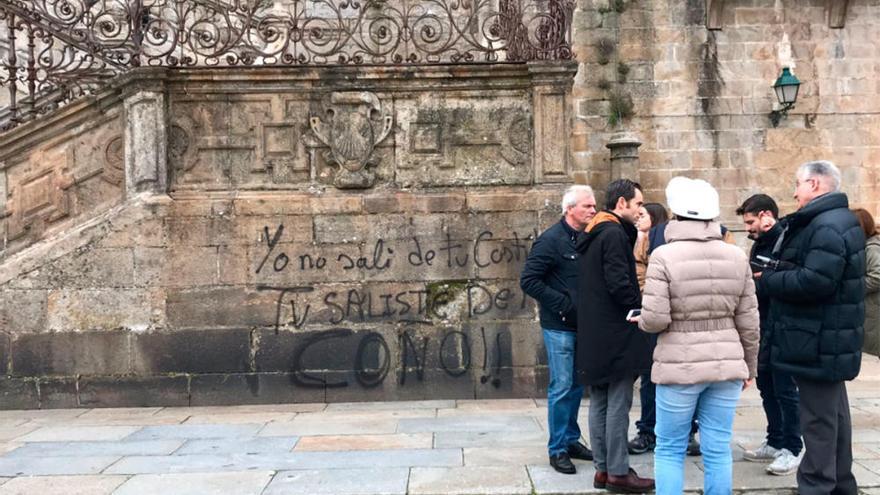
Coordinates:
[700,298]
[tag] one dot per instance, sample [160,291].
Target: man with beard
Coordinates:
[779,394]
[611,350]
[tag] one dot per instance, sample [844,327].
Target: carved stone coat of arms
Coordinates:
[353,123]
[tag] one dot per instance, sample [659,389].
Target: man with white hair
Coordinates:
[815,281]
[550,276]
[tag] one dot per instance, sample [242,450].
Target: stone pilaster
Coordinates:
[146,138]
[551,104]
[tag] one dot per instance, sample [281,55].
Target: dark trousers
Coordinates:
[648,397]
[779,396]
[826,467]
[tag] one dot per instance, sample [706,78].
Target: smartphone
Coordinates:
[633,313]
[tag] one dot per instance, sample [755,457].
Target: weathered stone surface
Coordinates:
[134,391]
[22,311]
[463,480]
[340,481]
[221,307]
[93,353]
[203,351]
[244,483]
[97,309]
[79,433]
[58,393]
[18,393]
[64,485]
[251,388]
[238,445]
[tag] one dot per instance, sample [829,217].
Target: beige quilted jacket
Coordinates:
[699,296]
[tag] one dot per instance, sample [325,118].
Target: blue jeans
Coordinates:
[564,392]
[715,404]
[779,396]
[648,418]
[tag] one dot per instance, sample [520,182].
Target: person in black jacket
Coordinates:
[611,350]
[550,276]
[816,288]
[779,394]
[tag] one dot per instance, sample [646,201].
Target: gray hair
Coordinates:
[572,194]
[821,168]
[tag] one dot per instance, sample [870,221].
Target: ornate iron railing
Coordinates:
[58,50]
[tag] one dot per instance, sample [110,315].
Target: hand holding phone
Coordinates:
[633,314]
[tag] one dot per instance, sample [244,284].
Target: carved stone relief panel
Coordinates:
[464,140]
[242,143]
[351,125]
[38,192]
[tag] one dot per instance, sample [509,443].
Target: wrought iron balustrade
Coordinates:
[58,50]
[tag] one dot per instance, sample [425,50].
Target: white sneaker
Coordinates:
[764,453]
[785,463]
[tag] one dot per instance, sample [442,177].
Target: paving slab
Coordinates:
[481,423]
[42,415]
[866,476]
[391,406]
[497,439]
[285,462]
[365,442]
[96,449]
[62,485]
[78,433]
[510,480]
[196,431]
[506,456]
[385,481]
[496,404]
[48,466]
[238,445]
[243,409]
[238,483]
[316,426]
[547,481]
[241,418]
[8,433]
[377,415]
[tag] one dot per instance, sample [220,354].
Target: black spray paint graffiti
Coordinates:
[372,358]
[359,305]
[486,251]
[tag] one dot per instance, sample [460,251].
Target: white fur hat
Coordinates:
[692,198]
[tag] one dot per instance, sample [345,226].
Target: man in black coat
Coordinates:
[817,313]
[611,351]
[779,395]
[550,276]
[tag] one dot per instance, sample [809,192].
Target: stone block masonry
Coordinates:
[278,238]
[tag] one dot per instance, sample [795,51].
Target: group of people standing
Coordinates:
[712,321]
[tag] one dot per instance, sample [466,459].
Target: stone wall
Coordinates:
[701,97]
[285,236]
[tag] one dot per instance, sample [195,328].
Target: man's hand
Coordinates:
[747,383]
[757,275]
[634,319]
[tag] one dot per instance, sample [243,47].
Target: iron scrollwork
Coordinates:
[58,50]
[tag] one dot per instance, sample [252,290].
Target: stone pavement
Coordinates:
[426,447]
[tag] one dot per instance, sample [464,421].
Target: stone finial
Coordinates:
[624,147]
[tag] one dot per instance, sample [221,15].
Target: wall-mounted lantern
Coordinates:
[786,88]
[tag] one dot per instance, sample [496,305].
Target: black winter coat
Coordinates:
[550,276]
[609,348]
[817,307]
[763,246]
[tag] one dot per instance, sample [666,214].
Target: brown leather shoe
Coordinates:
[600,479]
[631,483]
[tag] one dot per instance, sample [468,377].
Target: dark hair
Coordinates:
[621,188]
[866,221]
[758,203]
[657,213]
